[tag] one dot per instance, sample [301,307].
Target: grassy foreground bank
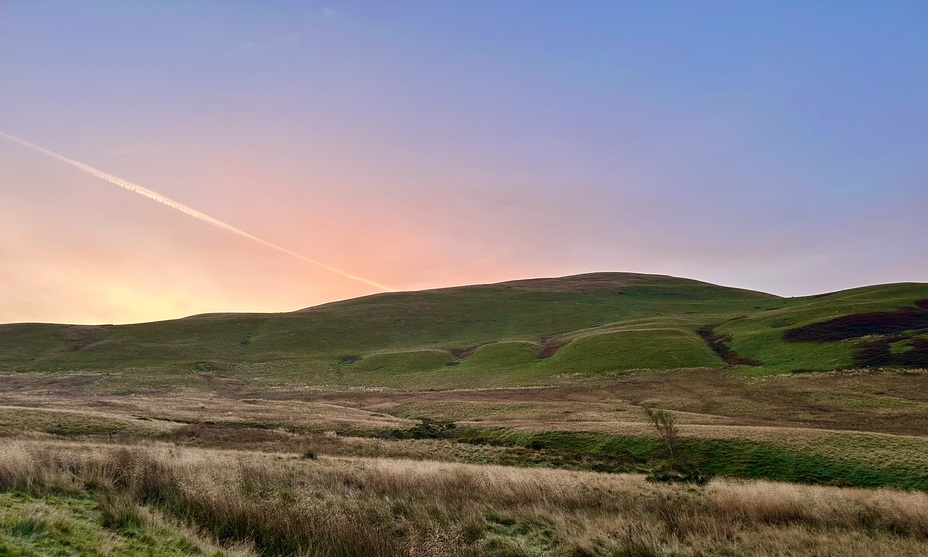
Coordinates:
[233,502]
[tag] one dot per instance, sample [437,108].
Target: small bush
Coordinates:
[666,425]
[426,429]
[678,472]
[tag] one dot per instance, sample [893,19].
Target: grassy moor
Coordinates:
[508,419]
[178,179]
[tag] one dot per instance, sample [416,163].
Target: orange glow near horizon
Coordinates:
[150,264]
[425,145]
[189,211]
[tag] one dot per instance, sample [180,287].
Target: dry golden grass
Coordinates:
[276,419]
[287,505]
[497,412]
[75,421]
[373,496]
[872,402]
[143,415]
[876,401]
[875,449]
[280,425]
[316,493]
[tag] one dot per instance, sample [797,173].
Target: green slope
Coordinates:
[761,335]
[519,332]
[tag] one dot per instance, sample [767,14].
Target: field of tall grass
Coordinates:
[250,503]
[501,420]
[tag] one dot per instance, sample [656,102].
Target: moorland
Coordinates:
[506,419]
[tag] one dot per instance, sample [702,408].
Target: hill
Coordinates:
[513,333]
[466,421]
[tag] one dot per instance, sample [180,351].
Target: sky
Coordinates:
[303,152]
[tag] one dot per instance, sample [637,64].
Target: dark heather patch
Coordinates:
[349,358]
[464,352]
[549,347]
[893,326]
[212,434]
[879,354]
[861,324]
[719,344]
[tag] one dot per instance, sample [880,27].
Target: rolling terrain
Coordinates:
[508,334]
[504,419]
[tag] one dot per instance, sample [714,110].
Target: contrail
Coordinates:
[154,196]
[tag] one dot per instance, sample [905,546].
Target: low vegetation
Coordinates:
[601,415]
[287,505]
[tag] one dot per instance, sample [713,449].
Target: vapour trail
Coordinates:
[154,196]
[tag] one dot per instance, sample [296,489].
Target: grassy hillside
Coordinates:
[839,330]
[450,376]
[520,332]
[466,421]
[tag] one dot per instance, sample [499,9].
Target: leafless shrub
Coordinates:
[666,425]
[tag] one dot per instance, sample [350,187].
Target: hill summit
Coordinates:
[510,333]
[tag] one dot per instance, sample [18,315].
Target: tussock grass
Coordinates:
[57,524]
[118,511]
[70,422]
[287,505]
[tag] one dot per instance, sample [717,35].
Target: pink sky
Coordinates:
[775,147]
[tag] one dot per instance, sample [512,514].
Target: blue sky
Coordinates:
[777,146]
